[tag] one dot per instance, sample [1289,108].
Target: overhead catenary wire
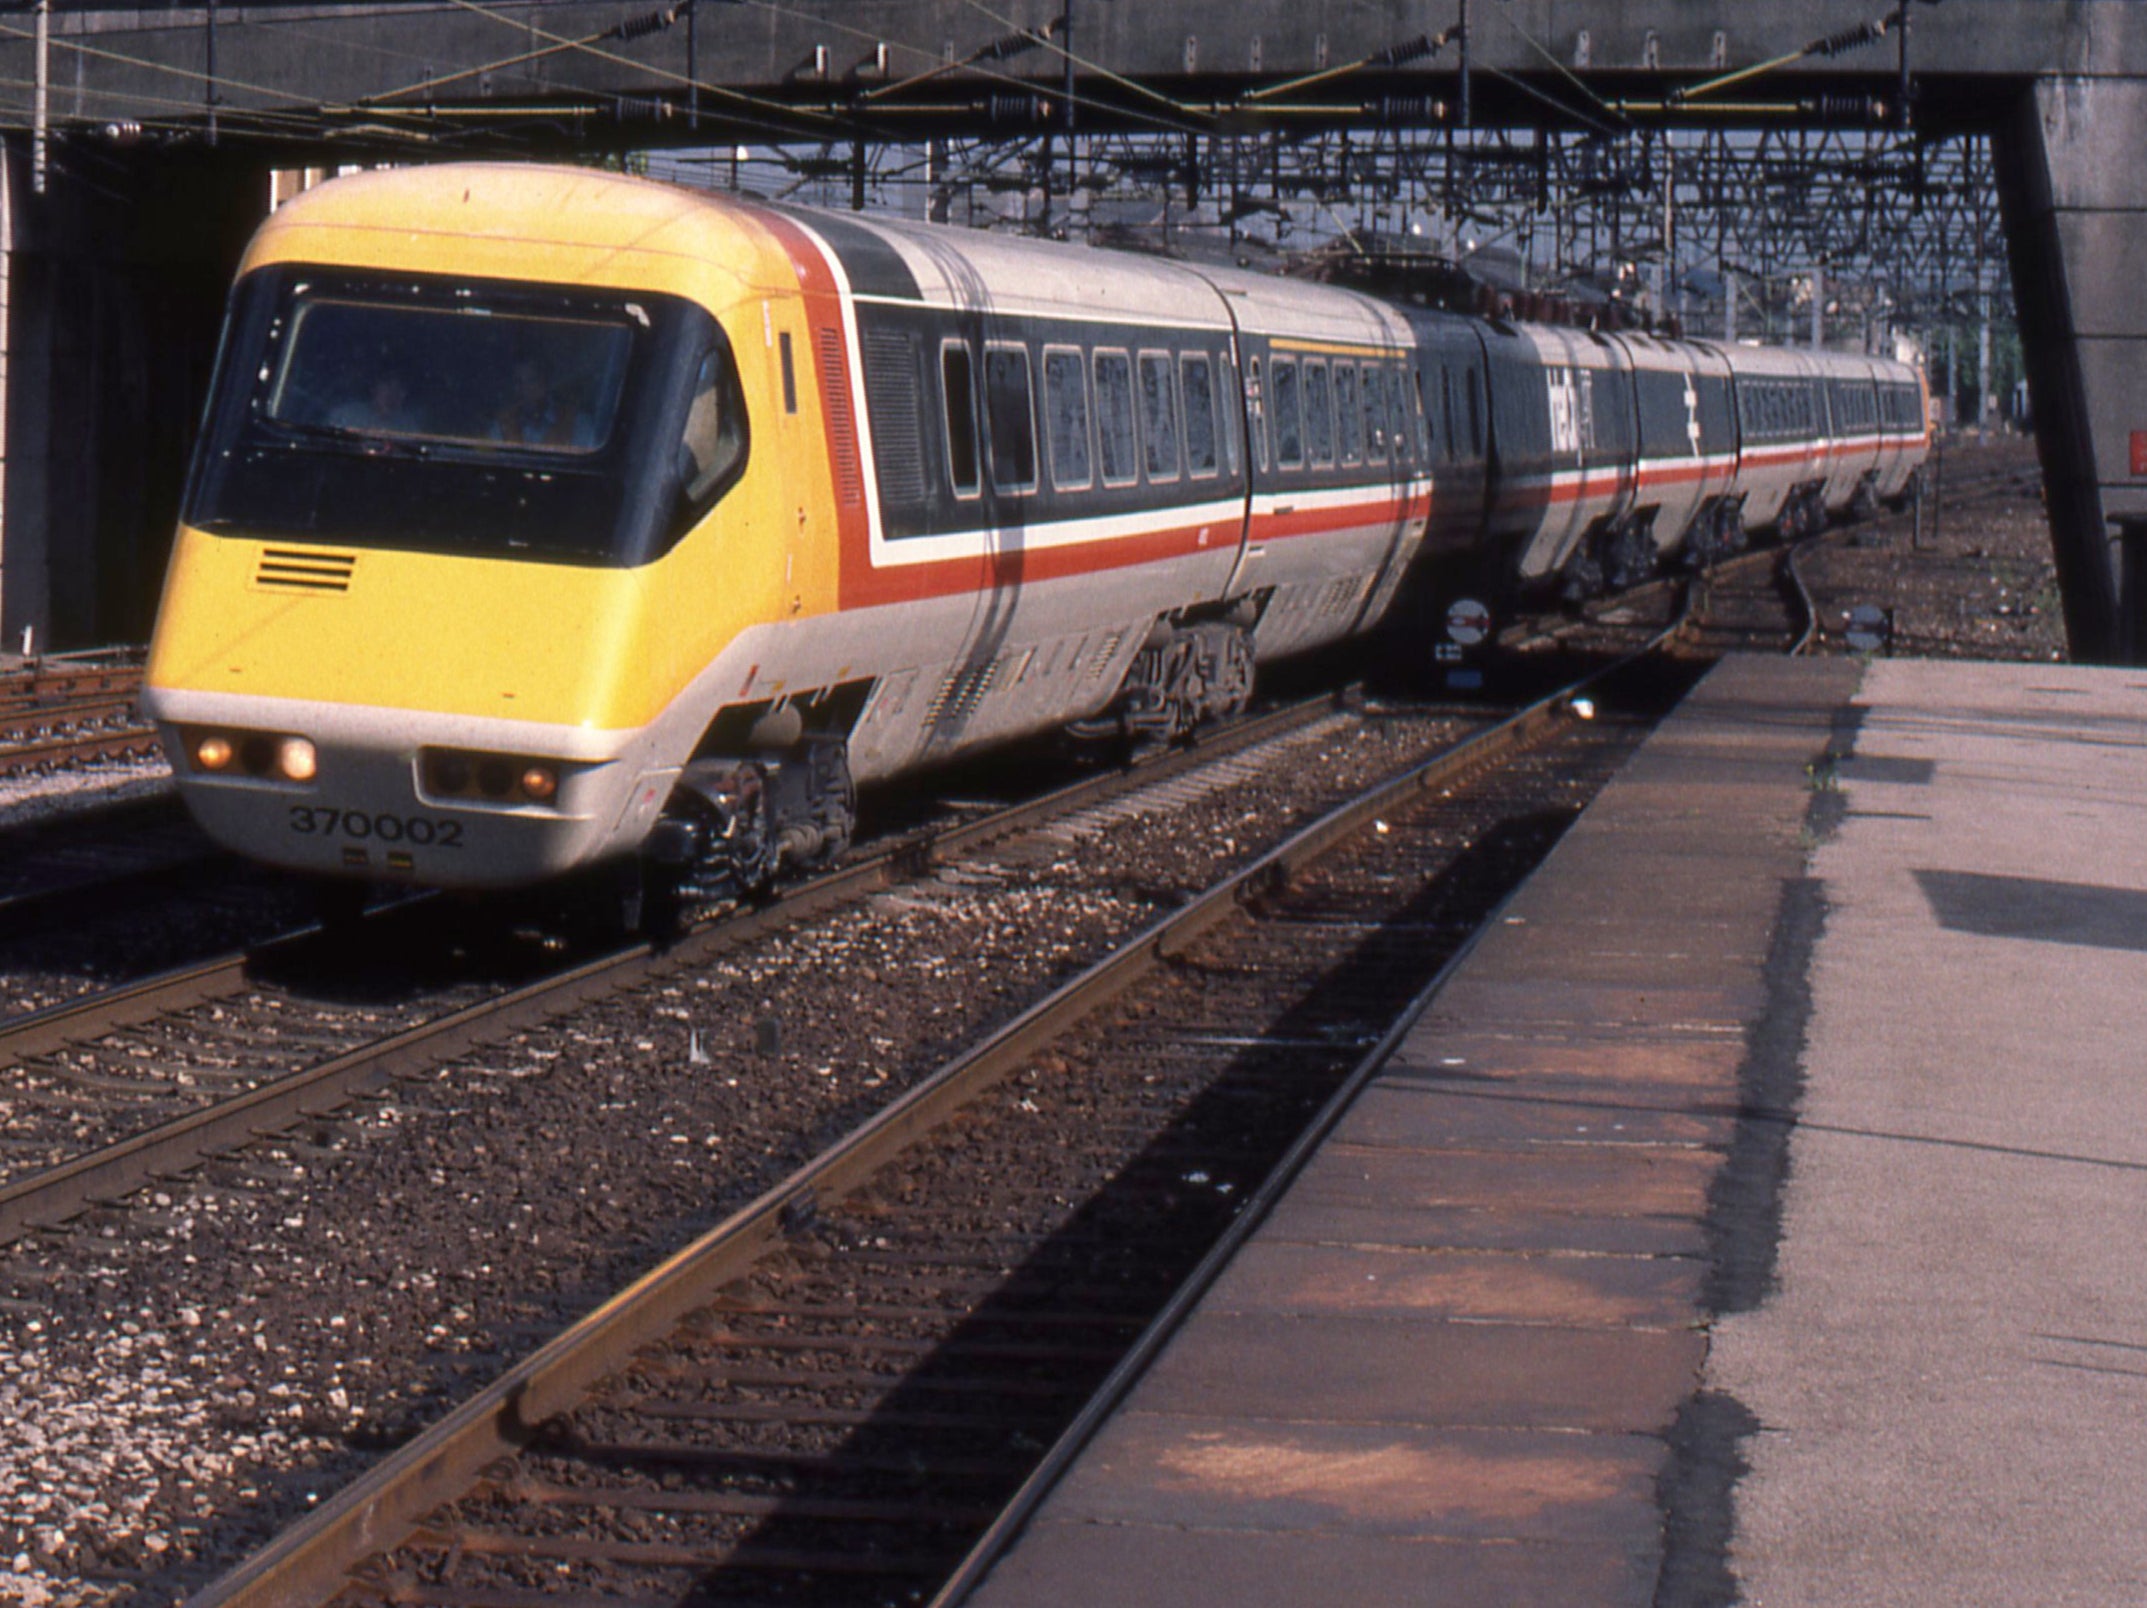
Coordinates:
[633,28]
[149,64]
[1621,124]
[1190,122]
[1832,45]
[1132,85]
[1421,48]
[282,105]
[998,50]
[791,115]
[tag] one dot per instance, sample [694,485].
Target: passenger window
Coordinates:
[1196,378]
[1375,415]
[1066,419]
[1159,417]
[959,384]
[1114,419]
[1288,428]
[1399,433]
[1319,415]
[1476,423]
[712,447]
[1256,413]
[1008,405]
[1349,423]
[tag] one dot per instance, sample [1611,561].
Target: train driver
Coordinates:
[537,415]
[384,407]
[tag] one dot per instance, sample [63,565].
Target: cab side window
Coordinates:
[712,446]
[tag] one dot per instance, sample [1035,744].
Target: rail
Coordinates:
[114,1170]
[312,1562]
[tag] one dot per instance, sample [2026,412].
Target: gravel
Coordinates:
[354,1279]
[31,797]
[184,1377]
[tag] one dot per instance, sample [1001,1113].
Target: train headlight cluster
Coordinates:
[273,756]
[450,773]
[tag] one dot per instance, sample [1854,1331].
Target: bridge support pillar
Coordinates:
[2074,194]
[112,285]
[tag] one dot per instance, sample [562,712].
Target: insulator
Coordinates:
[1848,39]
[1012,45]
[642,27]
[1845,108]
[647,108]
[1401,55]
[1017,109]
[1406,111]
[123,133]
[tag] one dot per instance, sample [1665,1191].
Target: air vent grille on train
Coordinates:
[960,694]
[291,570]
[842,426]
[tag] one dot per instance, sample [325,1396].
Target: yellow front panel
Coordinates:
[491,637]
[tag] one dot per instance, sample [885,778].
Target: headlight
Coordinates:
[274,756]
[296,758]
[452,773]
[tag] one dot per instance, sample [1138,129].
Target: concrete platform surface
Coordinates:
[1752,1217]
[1450,1366]
[1950,1381]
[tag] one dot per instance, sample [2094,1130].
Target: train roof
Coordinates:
[902,260]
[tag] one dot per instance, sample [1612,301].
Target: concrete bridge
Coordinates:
[138,144]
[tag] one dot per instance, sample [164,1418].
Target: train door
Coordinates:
[1452,390]
[1249,370]
[1389,439]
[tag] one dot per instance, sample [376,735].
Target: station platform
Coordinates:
[1753,1214]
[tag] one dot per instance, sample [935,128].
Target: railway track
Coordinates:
[830,1396]
[383,1210]
[1204,1152]
[109,1092]
[92,862]
[62,711]
[1759,599]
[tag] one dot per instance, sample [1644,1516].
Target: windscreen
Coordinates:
[473,376]
[454,415]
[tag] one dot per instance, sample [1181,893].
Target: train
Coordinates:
[546,520]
